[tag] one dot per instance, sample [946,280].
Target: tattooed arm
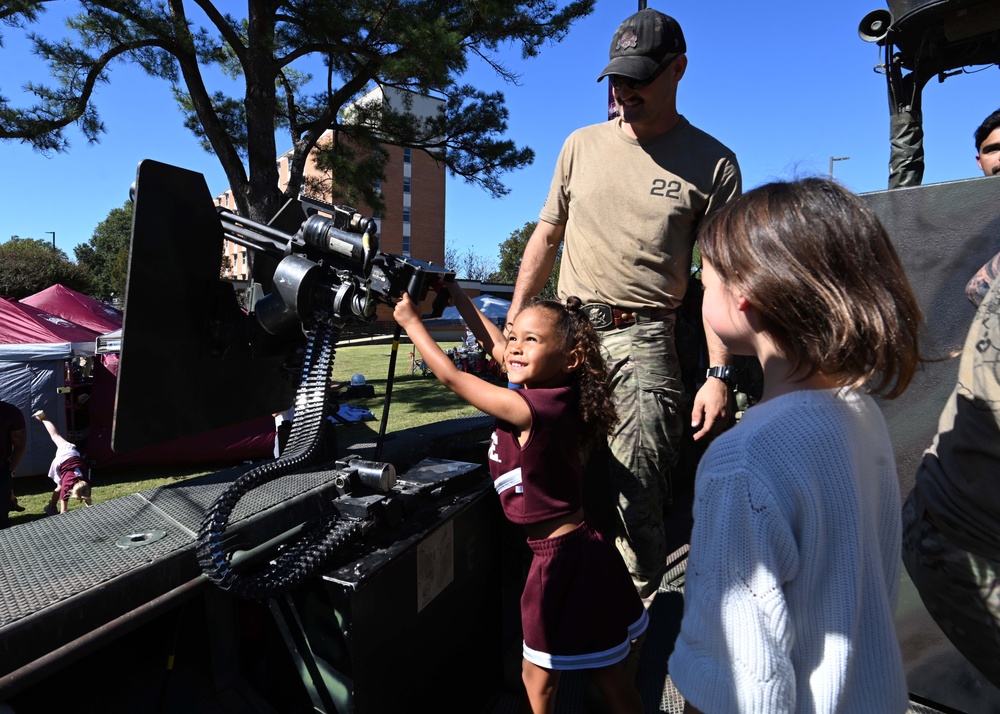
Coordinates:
[980,284]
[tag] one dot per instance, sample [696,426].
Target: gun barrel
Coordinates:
[252,234]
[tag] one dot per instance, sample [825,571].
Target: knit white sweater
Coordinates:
[794,565]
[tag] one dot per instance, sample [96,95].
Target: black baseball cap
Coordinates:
[642,43]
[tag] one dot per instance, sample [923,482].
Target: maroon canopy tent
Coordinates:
[76,307]
[22,324]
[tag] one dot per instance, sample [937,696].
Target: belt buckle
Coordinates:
[601,316]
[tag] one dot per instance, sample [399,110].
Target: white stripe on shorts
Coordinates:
[591,660]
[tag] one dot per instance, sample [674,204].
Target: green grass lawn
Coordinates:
[416,400]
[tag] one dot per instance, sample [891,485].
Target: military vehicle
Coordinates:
[379,577]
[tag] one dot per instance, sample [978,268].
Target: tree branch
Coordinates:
[186,57]
[35,128]
[225,29]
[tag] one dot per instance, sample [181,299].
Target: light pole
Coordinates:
[53,234]
[837,158]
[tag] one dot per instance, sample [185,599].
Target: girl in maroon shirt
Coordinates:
[579,609]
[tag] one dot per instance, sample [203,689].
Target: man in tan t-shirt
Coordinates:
[627,198]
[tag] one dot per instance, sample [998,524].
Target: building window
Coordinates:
[406,215]
[407,154]
[406,245]
[406,184]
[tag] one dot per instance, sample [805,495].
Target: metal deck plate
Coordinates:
[65,576]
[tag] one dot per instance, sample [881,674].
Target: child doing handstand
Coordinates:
[579,609]
[68,469]
[794,565]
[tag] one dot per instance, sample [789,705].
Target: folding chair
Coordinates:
[418,365]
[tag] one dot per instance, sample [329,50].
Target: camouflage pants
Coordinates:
[628,490]
[961,590]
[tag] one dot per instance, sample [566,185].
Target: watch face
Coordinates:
[726,374]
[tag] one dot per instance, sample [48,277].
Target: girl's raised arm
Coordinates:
[499,402]
[482,327]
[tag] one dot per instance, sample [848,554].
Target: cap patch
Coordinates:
[627,41]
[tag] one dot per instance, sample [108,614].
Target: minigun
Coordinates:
[315,269]
[331,269]
[329,273]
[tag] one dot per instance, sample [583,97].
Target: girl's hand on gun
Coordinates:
[405,311]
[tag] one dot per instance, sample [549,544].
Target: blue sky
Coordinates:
[785,85]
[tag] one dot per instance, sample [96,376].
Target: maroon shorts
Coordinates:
[579,609]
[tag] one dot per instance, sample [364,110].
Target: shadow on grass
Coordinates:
[423,394]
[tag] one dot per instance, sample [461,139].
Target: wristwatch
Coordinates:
[727,374]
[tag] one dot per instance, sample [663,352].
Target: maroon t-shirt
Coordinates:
[11,419]
[71,470]
[544,478]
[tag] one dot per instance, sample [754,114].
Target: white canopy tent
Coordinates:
[493,307]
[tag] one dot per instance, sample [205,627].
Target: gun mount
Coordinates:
[920,39]
[351,522]
[328,273]
[323,273]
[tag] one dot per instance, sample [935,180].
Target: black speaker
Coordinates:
[875,26]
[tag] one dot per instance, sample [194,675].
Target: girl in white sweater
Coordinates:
[794,565]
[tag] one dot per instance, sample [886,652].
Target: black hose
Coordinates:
[323,536]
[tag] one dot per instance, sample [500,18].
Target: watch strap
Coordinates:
[727,374]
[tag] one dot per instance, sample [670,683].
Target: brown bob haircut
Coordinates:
[817,264]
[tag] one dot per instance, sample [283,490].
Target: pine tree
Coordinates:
[269,55]
[511,252]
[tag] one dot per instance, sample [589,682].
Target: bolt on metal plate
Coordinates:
[134,540]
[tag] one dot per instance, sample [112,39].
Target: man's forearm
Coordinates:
[982,281]
[718,354]
[536,264]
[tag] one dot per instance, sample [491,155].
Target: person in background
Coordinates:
[579,610]
[627,198]
[13,441]
[14,504]
[987,138]
[951,519]
[68,470]
[988,158]
[794,567]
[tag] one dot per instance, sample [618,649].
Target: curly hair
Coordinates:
[593,390]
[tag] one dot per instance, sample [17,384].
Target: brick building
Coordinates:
[413,193]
